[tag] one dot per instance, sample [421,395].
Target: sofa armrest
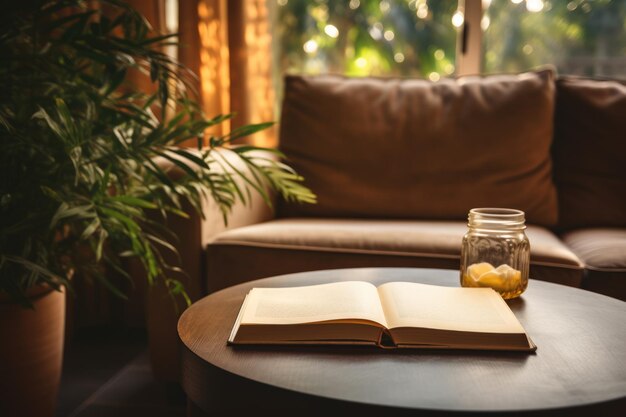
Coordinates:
[256,211]
[193,234]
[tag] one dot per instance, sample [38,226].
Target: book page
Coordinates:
[408,304]
[351,300]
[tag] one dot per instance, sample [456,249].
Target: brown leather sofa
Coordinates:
[397,164]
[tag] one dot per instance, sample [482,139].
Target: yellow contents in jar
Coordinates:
[504,279]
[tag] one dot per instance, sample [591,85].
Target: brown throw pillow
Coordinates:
[590,152]
[409,148]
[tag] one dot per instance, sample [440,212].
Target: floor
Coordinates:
[106,372]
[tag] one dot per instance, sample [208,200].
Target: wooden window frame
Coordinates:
[470,38]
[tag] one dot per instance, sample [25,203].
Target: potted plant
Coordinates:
[79,170]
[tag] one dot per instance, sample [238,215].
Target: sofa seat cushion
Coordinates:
[301,244]
[412,149]
[604,253]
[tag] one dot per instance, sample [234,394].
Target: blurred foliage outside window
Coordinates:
[366,37]
[581,37]
[418,38]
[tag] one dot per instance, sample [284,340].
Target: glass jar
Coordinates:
[495,251]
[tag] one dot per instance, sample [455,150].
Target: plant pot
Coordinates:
[31,353]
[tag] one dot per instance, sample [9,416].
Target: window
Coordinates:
[583,37]
[363,37]
[438,38]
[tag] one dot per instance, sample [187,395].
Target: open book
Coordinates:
[396,314]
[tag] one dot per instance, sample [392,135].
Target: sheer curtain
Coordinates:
[227,44]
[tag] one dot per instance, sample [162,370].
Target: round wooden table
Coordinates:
[579,367]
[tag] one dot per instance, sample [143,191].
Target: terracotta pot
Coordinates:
[31,353]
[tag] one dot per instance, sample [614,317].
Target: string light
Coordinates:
[354,4]
[534,6]
[485,22]
[360,62]
[331,30]
[398,57]
[310,46]
[458,19]
[376,31]
[434,76]
[389,35]
[422,11]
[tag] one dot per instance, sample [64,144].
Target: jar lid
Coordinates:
[496,218]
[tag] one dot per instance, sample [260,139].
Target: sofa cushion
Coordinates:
[604,253]
[409,148]
[294,245]
[590,153]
